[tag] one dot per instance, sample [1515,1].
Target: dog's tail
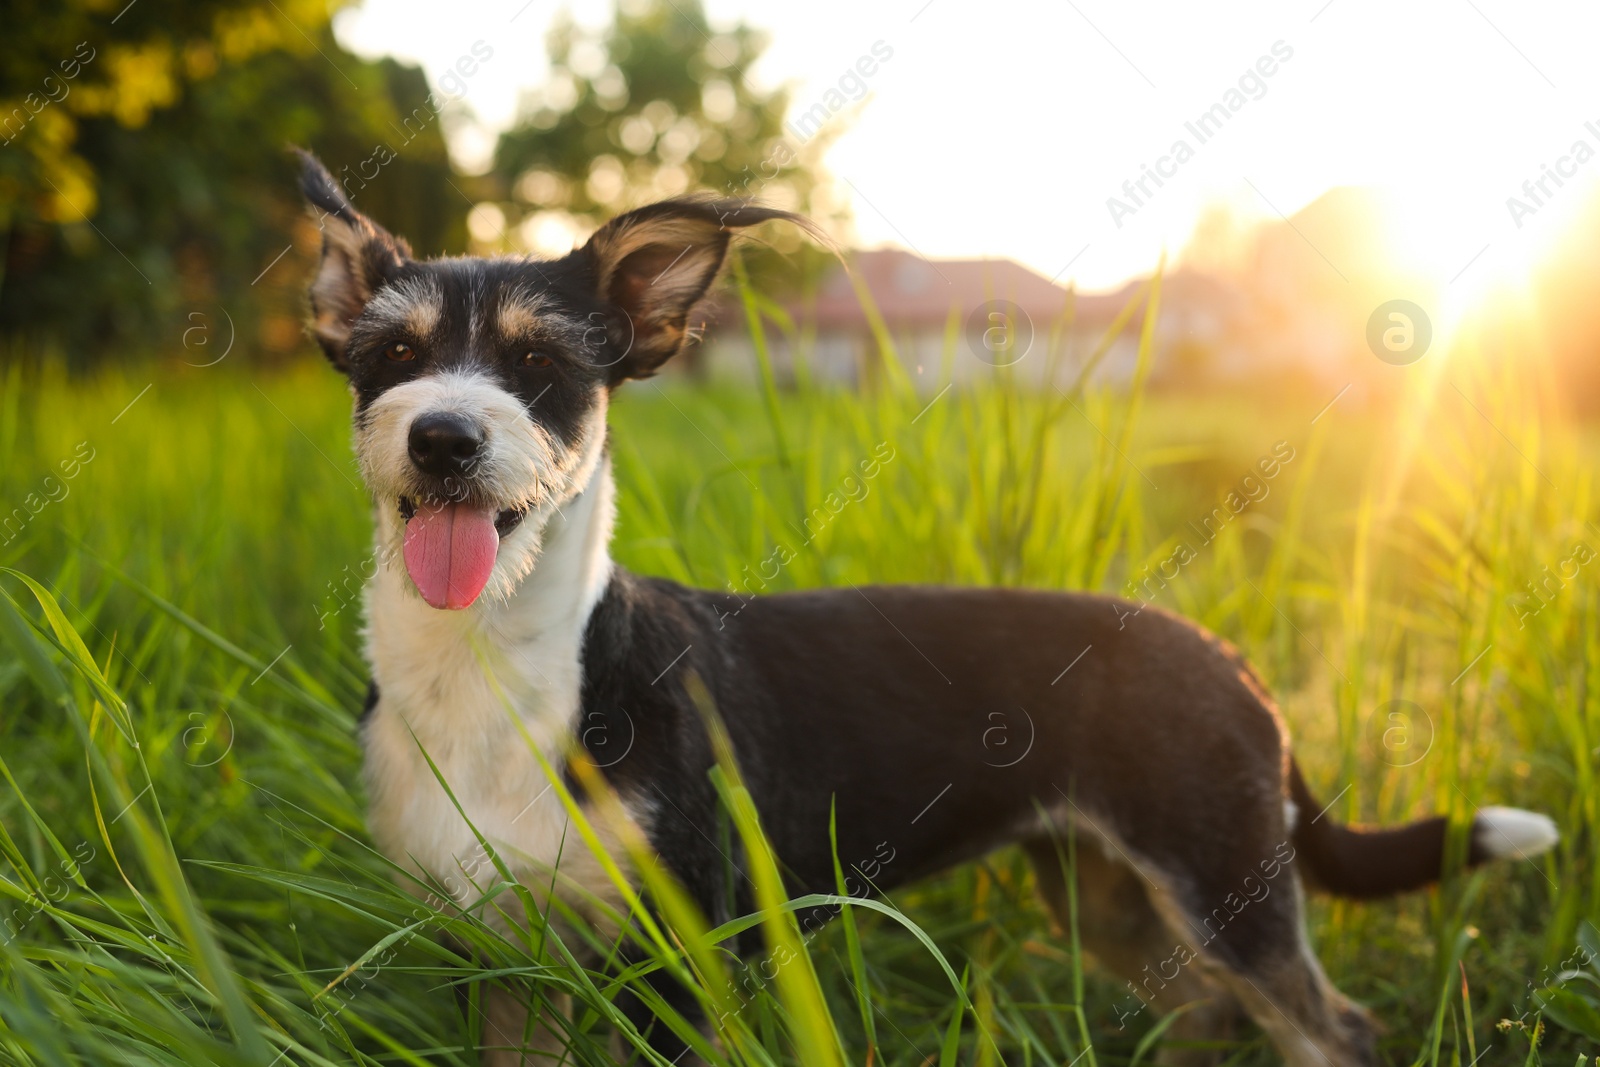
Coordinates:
[1353,861]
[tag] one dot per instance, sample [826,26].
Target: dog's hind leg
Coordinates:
[1286,992]
[1123,931]
[1256,947]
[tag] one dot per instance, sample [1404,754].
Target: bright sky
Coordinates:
[1001,127]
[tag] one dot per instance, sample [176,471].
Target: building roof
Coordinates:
[912,291]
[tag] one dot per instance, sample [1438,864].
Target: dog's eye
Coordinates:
[536,359]
[400,353]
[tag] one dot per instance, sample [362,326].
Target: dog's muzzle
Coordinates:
[451,538]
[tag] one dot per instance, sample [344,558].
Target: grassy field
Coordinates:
[186,874]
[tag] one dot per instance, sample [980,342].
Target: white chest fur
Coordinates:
[478,690]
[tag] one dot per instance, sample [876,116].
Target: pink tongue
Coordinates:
[449,552]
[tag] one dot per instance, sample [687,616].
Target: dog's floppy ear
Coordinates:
[358,256]
[652,264]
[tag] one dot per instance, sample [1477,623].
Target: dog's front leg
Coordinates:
[658,1034]
[513,1036]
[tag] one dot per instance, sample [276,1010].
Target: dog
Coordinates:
[498,626]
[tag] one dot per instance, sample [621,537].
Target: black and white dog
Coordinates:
[480,392]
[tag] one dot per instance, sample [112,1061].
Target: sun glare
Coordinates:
[1463,244]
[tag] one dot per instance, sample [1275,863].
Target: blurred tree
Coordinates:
[144,184]
[654,105]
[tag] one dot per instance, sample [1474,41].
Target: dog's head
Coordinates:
[481,384]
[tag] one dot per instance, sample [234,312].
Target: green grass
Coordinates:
[186,877]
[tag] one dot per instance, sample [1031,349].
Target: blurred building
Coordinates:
[958,309]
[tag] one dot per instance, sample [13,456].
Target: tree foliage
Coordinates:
[656,104]
[145,189]
[144,182]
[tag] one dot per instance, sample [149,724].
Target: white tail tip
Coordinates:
[1512,833]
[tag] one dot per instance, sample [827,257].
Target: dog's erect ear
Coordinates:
[655,262]
[358,256]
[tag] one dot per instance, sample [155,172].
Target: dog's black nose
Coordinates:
[443,444]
